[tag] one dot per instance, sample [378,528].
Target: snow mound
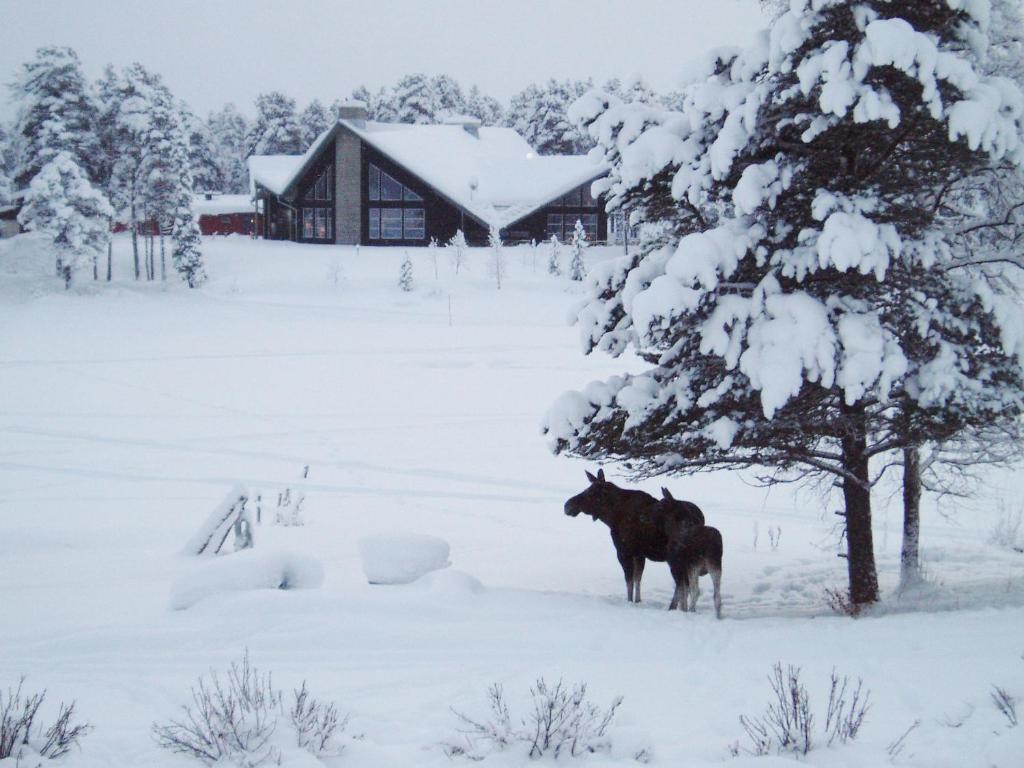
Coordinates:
[402,558]
[450,583]
[245,571]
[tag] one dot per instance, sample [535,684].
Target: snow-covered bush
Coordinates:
[401,558]
[405,273]
[29,742]
[458,246]
[236,718]
[554,268]
[787,724]
[562,721]
[62,204]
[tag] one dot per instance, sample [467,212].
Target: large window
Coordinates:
[384,186]
[307,223]
[391,223]
[323,224]
[415,224]
[563,225]
[317,224]
[321,188]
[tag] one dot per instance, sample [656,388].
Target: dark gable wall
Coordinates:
[443,218]
[534,226]
[304,191]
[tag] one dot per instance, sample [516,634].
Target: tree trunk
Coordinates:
[910,559]
[135,242]
[163,258]
[110,259]
[860,548]
[95,266]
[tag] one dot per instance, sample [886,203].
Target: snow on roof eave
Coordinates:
[595,173]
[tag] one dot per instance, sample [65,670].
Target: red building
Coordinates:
[224,214]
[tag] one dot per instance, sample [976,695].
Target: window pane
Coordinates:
[415,224]
[307,223]
[410,195]
[374,182]
[590,225]
[328,187]
[390,188]
[391,223]
[572,199]
[375,223]
[554,225]
[588,199]
[321,223]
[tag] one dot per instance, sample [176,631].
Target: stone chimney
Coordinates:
[354,111]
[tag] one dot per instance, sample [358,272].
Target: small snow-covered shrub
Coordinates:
[236,719]
[787,724]
[405,274]
[562,722]
[29,742]
[1008,532]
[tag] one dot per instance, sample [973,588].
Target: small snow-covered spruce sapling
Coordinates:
[405,273]
[64,206]
[497,255]
[25,740]
[577,268]
[841,288]
[432,250]
[562,722]
[457,245]
[554,268]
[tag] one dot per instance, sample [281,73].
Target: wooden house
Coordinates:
[371,183]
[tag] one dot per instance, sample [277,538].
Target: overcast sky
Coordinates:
[213,51]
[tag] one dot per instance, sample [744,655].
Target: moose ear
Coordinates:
[590,477]
[600,475]
[665,494]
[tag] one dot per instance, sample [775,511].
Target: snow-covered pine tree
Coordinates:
[202,157]
[167,150]
[228,133]
[62,204]
[554,249]
[56,112]
[448,98]
[405,273]
[276,130]
[314,120]
[577,267]
[806,312]
[458,247]
[414,100]
[484,108]
[497,255]
[540,116]
[186,251]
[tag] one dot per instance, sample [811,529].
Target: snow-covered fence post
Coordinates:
[210,537]
[497,255]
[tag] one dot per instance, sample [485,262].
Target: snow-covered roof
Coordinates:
[273,172]
[221,204]
[494,175]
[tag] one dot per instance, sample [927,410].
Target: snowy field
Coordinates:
[127,412]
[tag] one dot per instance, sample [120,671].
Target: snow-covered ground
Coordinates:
[127,412]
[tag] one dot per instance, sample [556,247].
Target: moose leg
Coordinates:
[626,561]
[638,574]
[716,581]
[694,579]
[678,597]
